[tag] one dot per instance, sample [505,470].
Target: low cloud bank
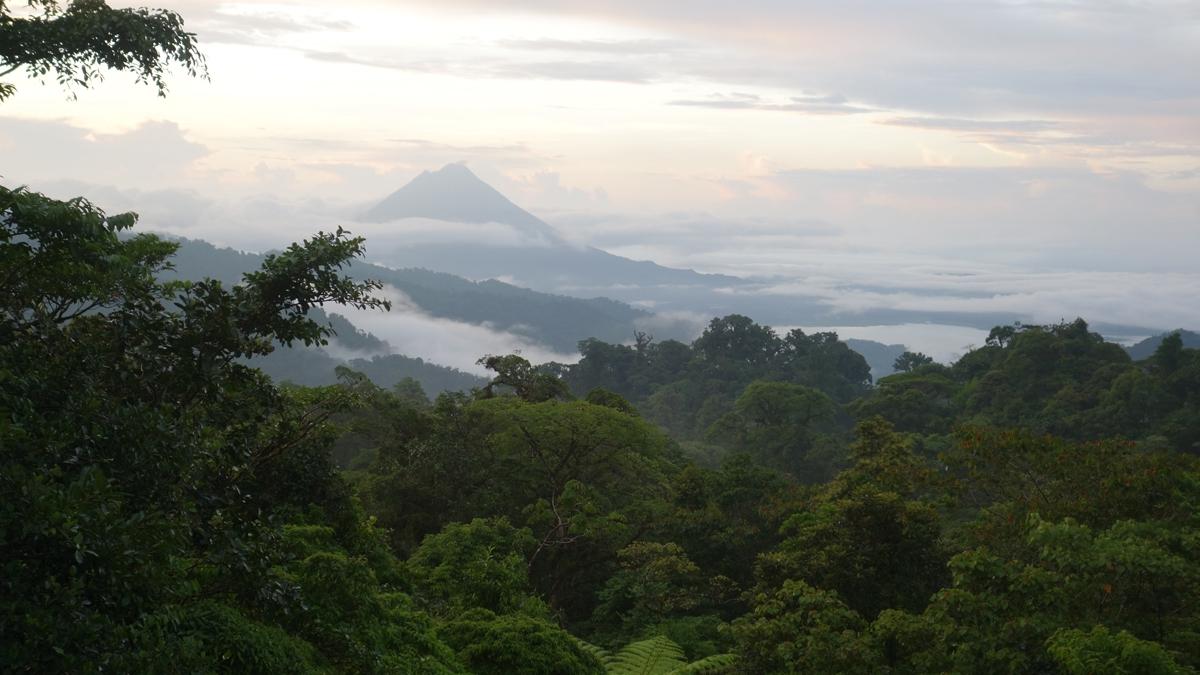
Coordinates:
[413,332]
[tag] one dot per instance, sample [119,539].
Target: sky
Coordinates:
[1040,154]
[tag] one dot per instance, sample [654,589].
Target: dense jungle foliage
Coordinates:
[745,503]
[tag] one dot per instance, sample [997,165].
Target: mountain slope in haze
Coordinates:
[1145,349]
[881,357]
[557,321]
[455,194]
[547,263]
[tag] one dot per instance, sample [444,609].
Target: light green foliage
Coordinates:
[800,629]
[655,581]
[660,656]
[476,564]
[604,397]
[77,42]
[1101,651]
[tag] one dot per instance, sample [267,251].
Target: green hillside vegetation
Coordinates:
[555,320]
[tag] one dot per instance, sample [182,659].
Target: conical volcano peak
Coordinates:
[454,193]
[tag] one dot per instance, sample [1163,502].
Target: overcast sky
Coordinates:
[1043,137]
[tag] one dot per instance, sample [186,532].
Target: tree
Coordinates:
[910,361]
[147,476]
[524,380]
[78,41]
[801,629]
[516,644]
[480,564]
[736,339]
[778,423]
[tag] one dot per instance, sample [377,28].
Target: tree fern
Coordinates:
[656,656]
[717,664]
[659,656]
[602,655]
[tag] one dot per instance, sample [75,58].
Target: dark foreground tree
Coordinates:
[76,42]
[162,506]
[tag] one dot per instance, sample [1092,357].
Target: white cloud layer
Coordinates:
[413,332]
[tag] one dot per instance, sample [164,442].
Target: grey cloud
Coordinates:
[1047,57]
[604,71]
[808,104]
[619,47]
[973,125]
[213,23]
[597,71]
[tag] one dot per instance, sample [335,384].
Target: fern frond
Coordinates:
[602,655]
[717,664]
[656,656]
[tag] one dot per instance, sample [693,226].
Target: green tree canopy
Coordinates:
[76,41]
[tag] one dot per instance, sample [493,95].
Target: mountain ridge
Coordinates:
[455,194]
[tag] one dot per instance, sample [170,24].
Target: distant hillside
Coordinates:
[310,366]
[879,356]
[554,320]
[1145,348]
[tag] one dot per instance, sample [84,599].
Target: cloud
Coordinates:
[1061,56]
[596,71]
[808,104]
[155,153]
[973,125]
[411,331]
[246,24]
[599,71]
[619,47]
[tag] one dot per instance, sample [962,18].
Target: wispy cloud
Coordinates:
[808,104]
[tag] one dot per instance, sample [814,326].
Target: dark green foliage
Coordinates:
[863,535]
[1060,379]
[687,389]
[516,645]
[780,425]
[146,476]
[910,361]
[210,637]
